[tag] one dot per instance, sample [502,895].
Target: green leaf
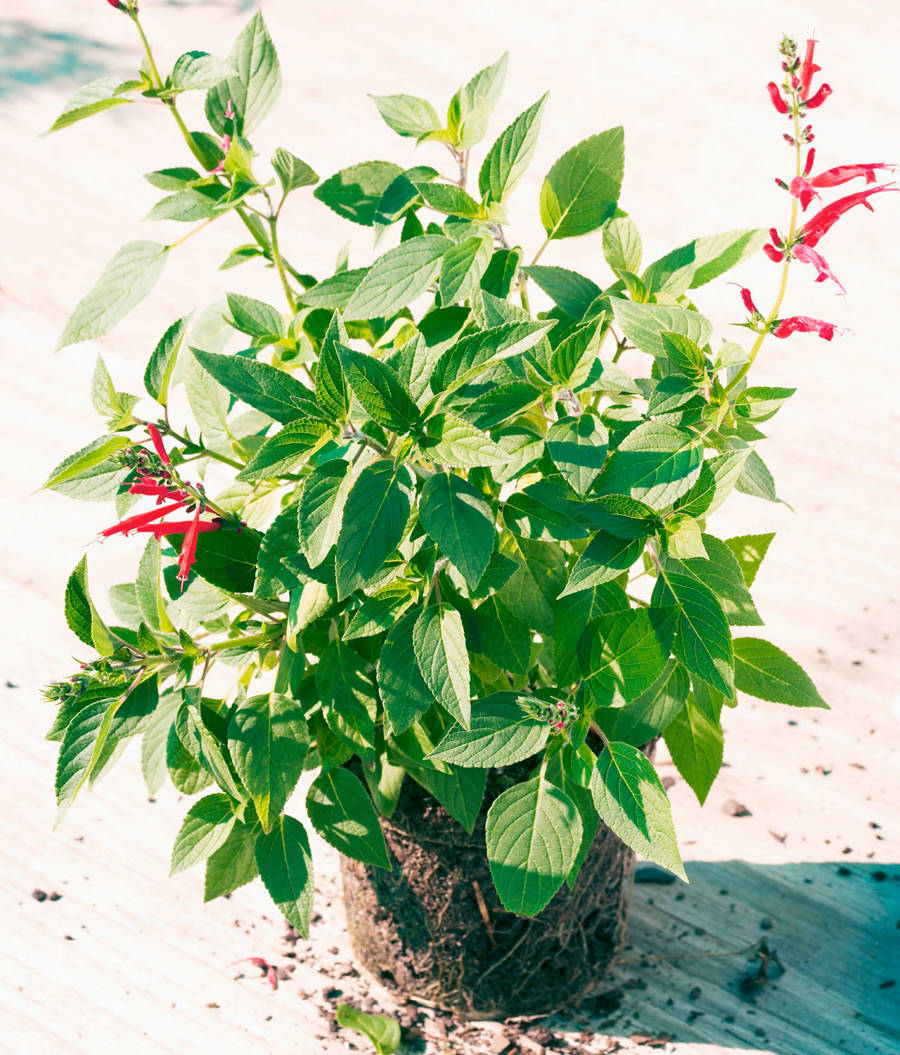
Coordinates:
[684,355]
[475,352]
[407,115]
[715,483]
[533,834]
[80,746]
[501,734]
[355,192]
[509,157]
[78,608]
[575,356]
[455,444]
[749,551]
[285,867]
[380,612]
[148,592]
[462,268]
[720,571]
[573,627]
[154,740]
[92,456]
[572,292]
[761,403]
[225,558]
[383,1031]
[161,365]
[716,254]
[263,387]
[764,671]
[503,638]
[440,645]
[232,865]
[631,800]
[655,463]
[629,653]
[321,508]
[605,558]
[342,813]
[255,317]
[380,390]
[400,682]
[281,540]
[333,293]
[398,277]
[756,480]
[703,639]
[284,451]
[125,281]
[448,198]
[459,520]
[198,70]
[622,245]
[683,538]
[470,108]
[205,746]
[93,98]
[348,698]
[374,520]
[580,191]
[205,829]
[256,84]
[578,449]
[650,714]
[460,791]
[332,393]
[292,173]
[185,772]
[694,739]
[644,325]
[173,178]
[268,741]
[532,589]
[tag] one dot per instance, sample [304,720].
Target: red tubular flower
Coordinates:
[158,444]
[189,548]
[801,188]
[808,69]
[160,491]
[775,255]
[819,98]
[810,158]
[820,224]
[804,324]
[843,173]
[117,4]
[179,527]
[137,522]
[807,255]
[747,298]
[777,100]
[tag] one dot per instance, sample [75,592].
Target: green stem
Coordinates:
[244,642]
[279,263]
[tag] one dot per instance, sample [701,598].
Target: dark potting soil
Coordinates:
[434,929]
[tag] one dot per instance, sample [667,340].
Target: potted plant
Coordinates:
[455,549]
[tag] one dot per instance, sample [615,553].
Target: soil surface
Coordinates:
[797,846]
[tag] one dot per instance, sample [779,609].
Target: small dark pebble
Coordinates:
[759,1031]
[695,993]
[735,809]
[693,1016]
[730,1018]
[39,895]
[11,684]
[68,937]
[765,923]
[792,721]
[332,993]
[668,782]
[55,896]
[889,984]
[843,870]
[872,824]
[699,931]
[847,850]
[634,983]
[646,873]
[879,876]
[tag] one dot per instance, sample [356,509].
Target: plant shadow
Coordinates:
[31,57]
[795,959]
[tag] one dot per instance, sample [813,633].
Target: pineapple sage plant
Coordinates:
[453,550]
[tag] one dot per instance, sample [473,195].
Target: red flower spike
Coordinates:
[820,224]
[819,98]
[834,177]
[808,69]
[139,521]
[804,324]
[775,255]
[806,255]
[158,444]
[777,100]
[747,298]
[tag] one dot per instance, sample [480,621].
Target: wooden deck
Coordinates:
[126,960]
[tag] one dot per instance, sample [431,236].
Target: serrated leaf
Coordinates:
[580,192]
[716,254]
[401,685]
[503,638]
[225,558]
[456,444]
[578,449]
[285,866]
[575,355]
[78,608]
[631,800]
[332,393]
[125,281]
[440,645]
[572,292]
[604,559]
[720,571]
[254,88]
[574,616]
[398,277]
[286,450]
[703,639]
[147,588]
[161,365]
[622,246]
[232,865]
[265,388]
[292,173]
[694,739]
[655,463]
[254,317]
[532,589]
[198,70]
[462,268]
[629,653]
[475,352]
[756,480]
[644,324]
[342,813]
[321,508]
[533,834]
[501,734]
[268,741]
[764,671]
[407,115]
[749,551]
[650,714]
[448,198]
[92,98]
[470,108]
[205,829]
[374,520]
[459,520]
[349,700]
[509,157]
[355,192]
[684,355]
[380,390]
[333,293]
[154,741]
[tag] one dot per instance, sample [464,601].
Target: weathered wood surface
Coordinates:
[129,961]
